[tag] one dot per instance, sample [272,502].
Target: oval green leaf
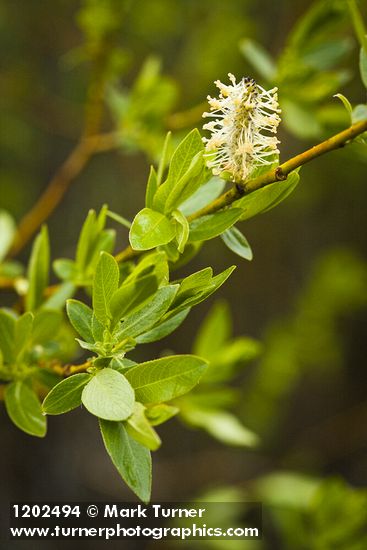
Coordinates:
[166,378]
[237,242]
[208,227]
[81,316]
[150,229]
[109,395]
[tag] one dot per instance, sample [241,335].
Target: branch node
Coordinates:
[279,174]
[241,189]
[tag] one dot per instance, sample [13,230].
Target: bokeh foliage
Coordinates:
[156,62]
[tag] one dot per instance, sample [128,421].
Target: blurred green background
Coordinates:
[303,296]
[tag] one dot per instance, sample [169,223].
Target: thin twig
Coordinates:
[68,370]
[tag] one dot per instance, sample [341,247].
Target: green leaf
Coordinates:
[346,103]
[150,229]
[166,378]
[363,66]
[217,282]
[38,270]
[154,263]
[90,347]
[227,360]
[210,396]
[181,160]
[300,120]
[194,298]
[287,490]
[23,332]
[152,187]
[97,329]
[86,240]
[109,395]
[266,198]
[171,251]
[180,163]
[193,283]
[138,427]
[7,233]
[80,316]
[11,269]
[24,409]
[7,328]
[57,300]
[65,269]
[150,314]
[203,196]
[220,424]
[119,219]
[66,395]
[214,331]
[166,326]
[188,184]
[105,284]
[92,241]
[208,227]
[163,161]
[237,242]
[258,58]
[182,230]
[131,296]
[122,364]
[101,218]
[359,113]
[158,414]
[132,460]
[46,325]
[104,242]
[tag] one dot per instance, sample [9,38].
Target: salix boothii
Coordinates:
[245,117]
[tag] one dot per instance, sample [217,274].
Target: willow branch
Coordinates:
[87,145]
[280,173]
